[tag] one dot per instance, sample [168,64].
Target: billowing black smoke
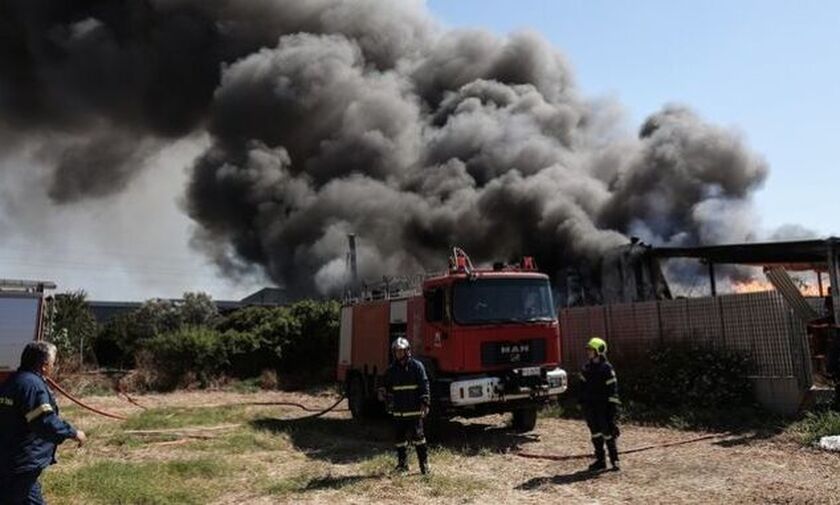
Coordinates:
[328,117]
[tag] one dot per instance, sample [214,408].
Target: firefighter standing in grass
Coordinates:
[599,399]
[407,393]
[30,427]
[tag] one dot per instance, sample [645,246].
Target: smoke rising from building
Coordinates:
[327,117]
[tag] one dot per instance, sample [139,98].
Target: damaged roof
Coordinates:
[794,255]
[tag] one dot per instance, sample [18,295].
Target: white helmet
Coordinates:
[400,343]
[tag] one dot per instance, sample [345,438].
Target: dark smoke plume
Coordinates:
[329,116]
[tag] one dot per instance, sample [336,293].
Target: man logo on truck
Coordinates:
[515,352]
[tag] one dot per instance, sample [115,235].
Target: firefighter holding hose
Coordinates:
[599,399]
[407,394]
[30,427]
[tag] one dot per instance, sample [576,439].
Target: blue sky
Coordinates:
[769,69]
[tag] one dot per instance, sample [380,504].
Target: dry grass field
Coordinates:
[206,447]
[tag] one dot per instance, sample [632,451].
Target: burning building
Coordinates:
[784,329]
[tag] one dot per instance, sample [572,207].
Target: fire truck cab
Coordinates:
[489,339]
[22,309]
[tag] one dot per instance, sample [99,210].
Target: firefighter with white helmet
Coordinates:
[599,399]
[407,393]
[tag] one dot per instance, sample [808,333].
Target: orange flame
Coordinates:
[756,286]
[752,286]
[811,290]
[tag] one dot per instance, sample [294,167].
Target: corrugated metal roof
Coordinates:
[794,255]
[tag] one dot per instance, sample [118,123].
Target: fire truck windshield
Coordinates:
[485,301]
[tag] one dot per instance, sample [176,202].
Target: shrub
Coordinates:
[300,339]
[816,425]
[314,346]
[120,339]
[689,377]
[298,343]
[74,330]
[187,352]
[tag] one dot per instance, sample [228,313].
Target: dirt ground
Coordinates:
[269,459]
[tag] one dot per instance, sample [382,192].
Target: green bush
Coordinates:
[124,335]
[816,425]
[74,330]
[185,353]
[688,377]
[298,339]
[298,342]
[314,346]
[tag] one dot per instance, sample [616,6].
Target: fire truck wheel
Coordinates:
[356,398]
[525,419]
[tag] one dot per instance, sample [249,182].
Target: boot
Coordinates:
[598,465]
[600,457]
[402,460]
[423,458]
[613,451]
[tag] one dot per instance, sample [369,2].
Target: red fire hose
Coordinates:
[82,404]
[555,457]
[316,412]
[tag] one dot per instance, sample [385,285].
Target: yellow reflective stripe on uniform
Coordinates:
[405,388]
[401,444]
[607,437]
[612,381]
[422,441]
[407,414]
[37,411]
[614,399]
[597,435]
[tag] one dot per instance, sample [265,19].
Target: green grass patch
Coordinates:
[443,485]
[816,425]
[182,482]
[289,485]
[379,464]
[180,417]
[250,385]
[244,440]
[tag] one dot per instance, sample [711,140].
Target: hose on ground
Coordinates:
[555,457]
[83,404]
[315,412]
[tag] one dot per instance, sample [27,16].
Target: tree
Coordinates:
[73,327]
[198,309]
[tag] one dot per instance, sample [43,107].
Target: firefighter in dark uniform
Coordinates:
[407,393]
[30,427]
[599,399]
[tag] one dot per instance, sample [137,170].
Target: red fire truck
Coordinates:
[22,310]
[489,338]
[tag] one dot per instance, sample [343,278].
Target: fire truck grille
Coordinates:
[513,352]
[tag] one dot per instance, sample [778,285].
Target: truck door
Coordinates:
[437,327]
[19,324]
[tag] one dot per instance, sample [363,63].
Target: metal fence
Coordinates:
[762,325]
